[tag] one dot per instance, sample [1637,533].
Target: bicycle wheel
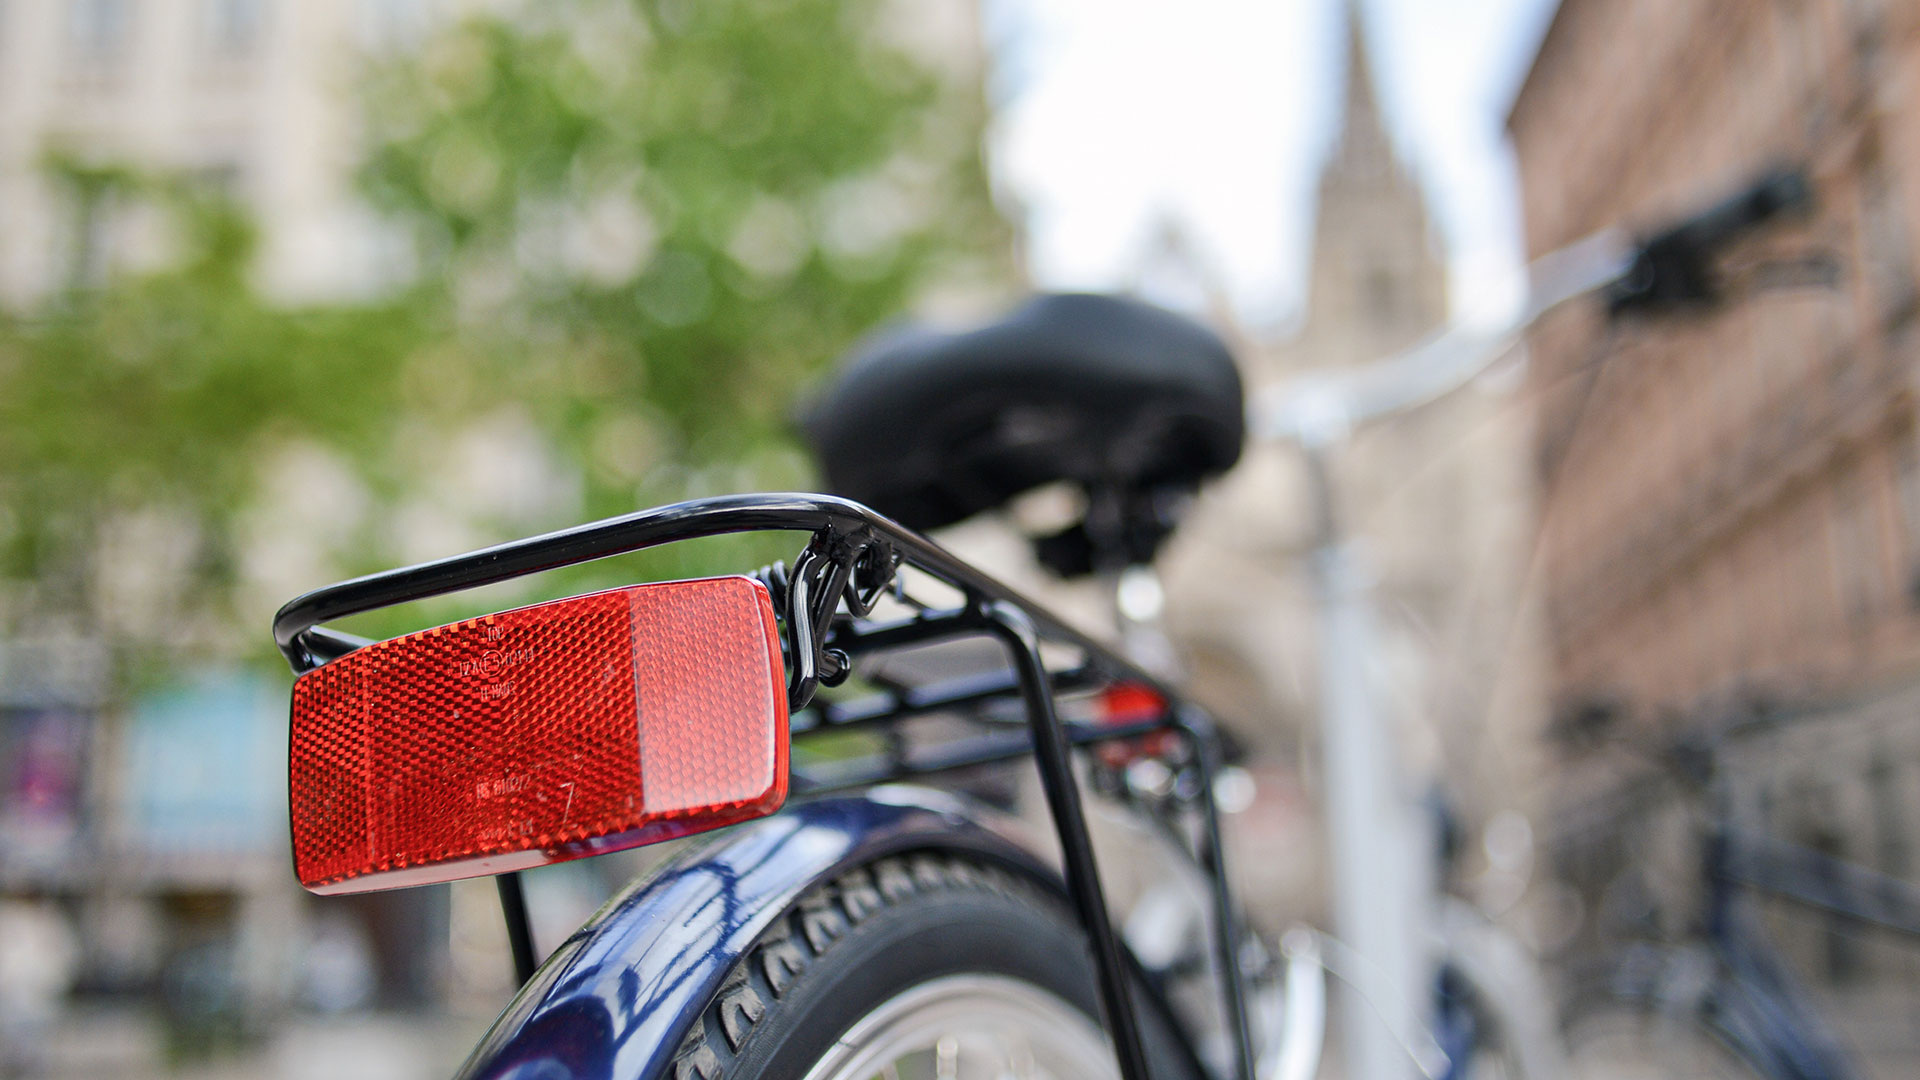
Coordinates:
[1638,1034]
[1627,1043]
[925,966]
[1495,1011]
[1488,1052]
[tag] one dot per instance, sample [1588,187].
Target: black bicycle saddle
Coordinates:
[1119,396]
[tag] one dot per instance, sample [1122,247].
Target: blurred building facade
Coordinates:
[1431,496]
[147,904]
[1436,502]
[250,96]
[169,869]
[1730,497]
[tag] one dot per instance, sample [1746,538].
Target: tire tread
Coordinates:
[808,930]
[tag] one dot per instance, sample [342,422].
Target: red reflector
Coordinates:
[1131,703]
[547,733]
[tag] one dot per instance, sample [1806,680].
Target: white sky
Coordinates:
[1116,114]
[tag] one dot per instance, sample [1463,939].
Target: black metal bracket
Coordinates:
[1016,631]
[1212,857]
[513,906]
[834,568]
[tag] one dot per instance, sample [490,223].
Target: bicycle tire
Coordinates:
[1632,1036]
[872,935]
[1514,1035]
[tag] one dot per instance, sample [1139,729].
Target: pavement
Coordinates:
[123,1044]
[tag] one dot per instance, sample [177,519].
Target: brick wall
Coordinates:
[1731,500]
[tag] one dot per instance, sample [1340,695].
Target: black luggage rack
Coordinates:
[825,604]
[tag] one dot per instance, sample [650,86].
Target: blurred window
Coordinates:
[1383,296]
[232,28]
[223,178]
[1906,463]
[391,24]
[1890,812]
[91,223]
[1889,255]
[1856,539]
[43,756]
[98,30]
[197,768]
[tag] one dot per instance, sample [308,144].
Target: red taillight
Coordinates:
[546,733]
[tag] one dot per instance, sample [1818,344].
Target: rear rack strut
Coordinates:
[850,559]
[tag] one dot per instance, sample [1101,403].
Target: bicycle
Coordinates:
[1483,981]
[1719,994]
[1012,432]
[868,925]
[871,926]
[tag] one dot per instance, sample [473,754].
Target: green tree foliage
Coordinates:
[688,204]
[636,228]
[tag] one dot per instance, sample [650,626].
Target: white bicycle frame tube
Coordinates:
[1384,889]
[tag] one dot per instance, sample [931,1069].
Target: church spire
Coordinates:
[1364,152]
[1377,283]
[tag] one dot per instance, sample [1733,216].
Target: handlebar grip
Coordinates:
[1673,267]
[1773,194]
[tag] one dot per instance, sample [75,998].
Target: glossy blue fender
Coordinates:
[619,996]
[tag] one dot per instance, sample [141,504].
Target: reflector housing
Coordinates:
[571,728]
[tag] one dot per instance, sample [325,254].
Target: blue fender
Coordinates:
[618,997]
